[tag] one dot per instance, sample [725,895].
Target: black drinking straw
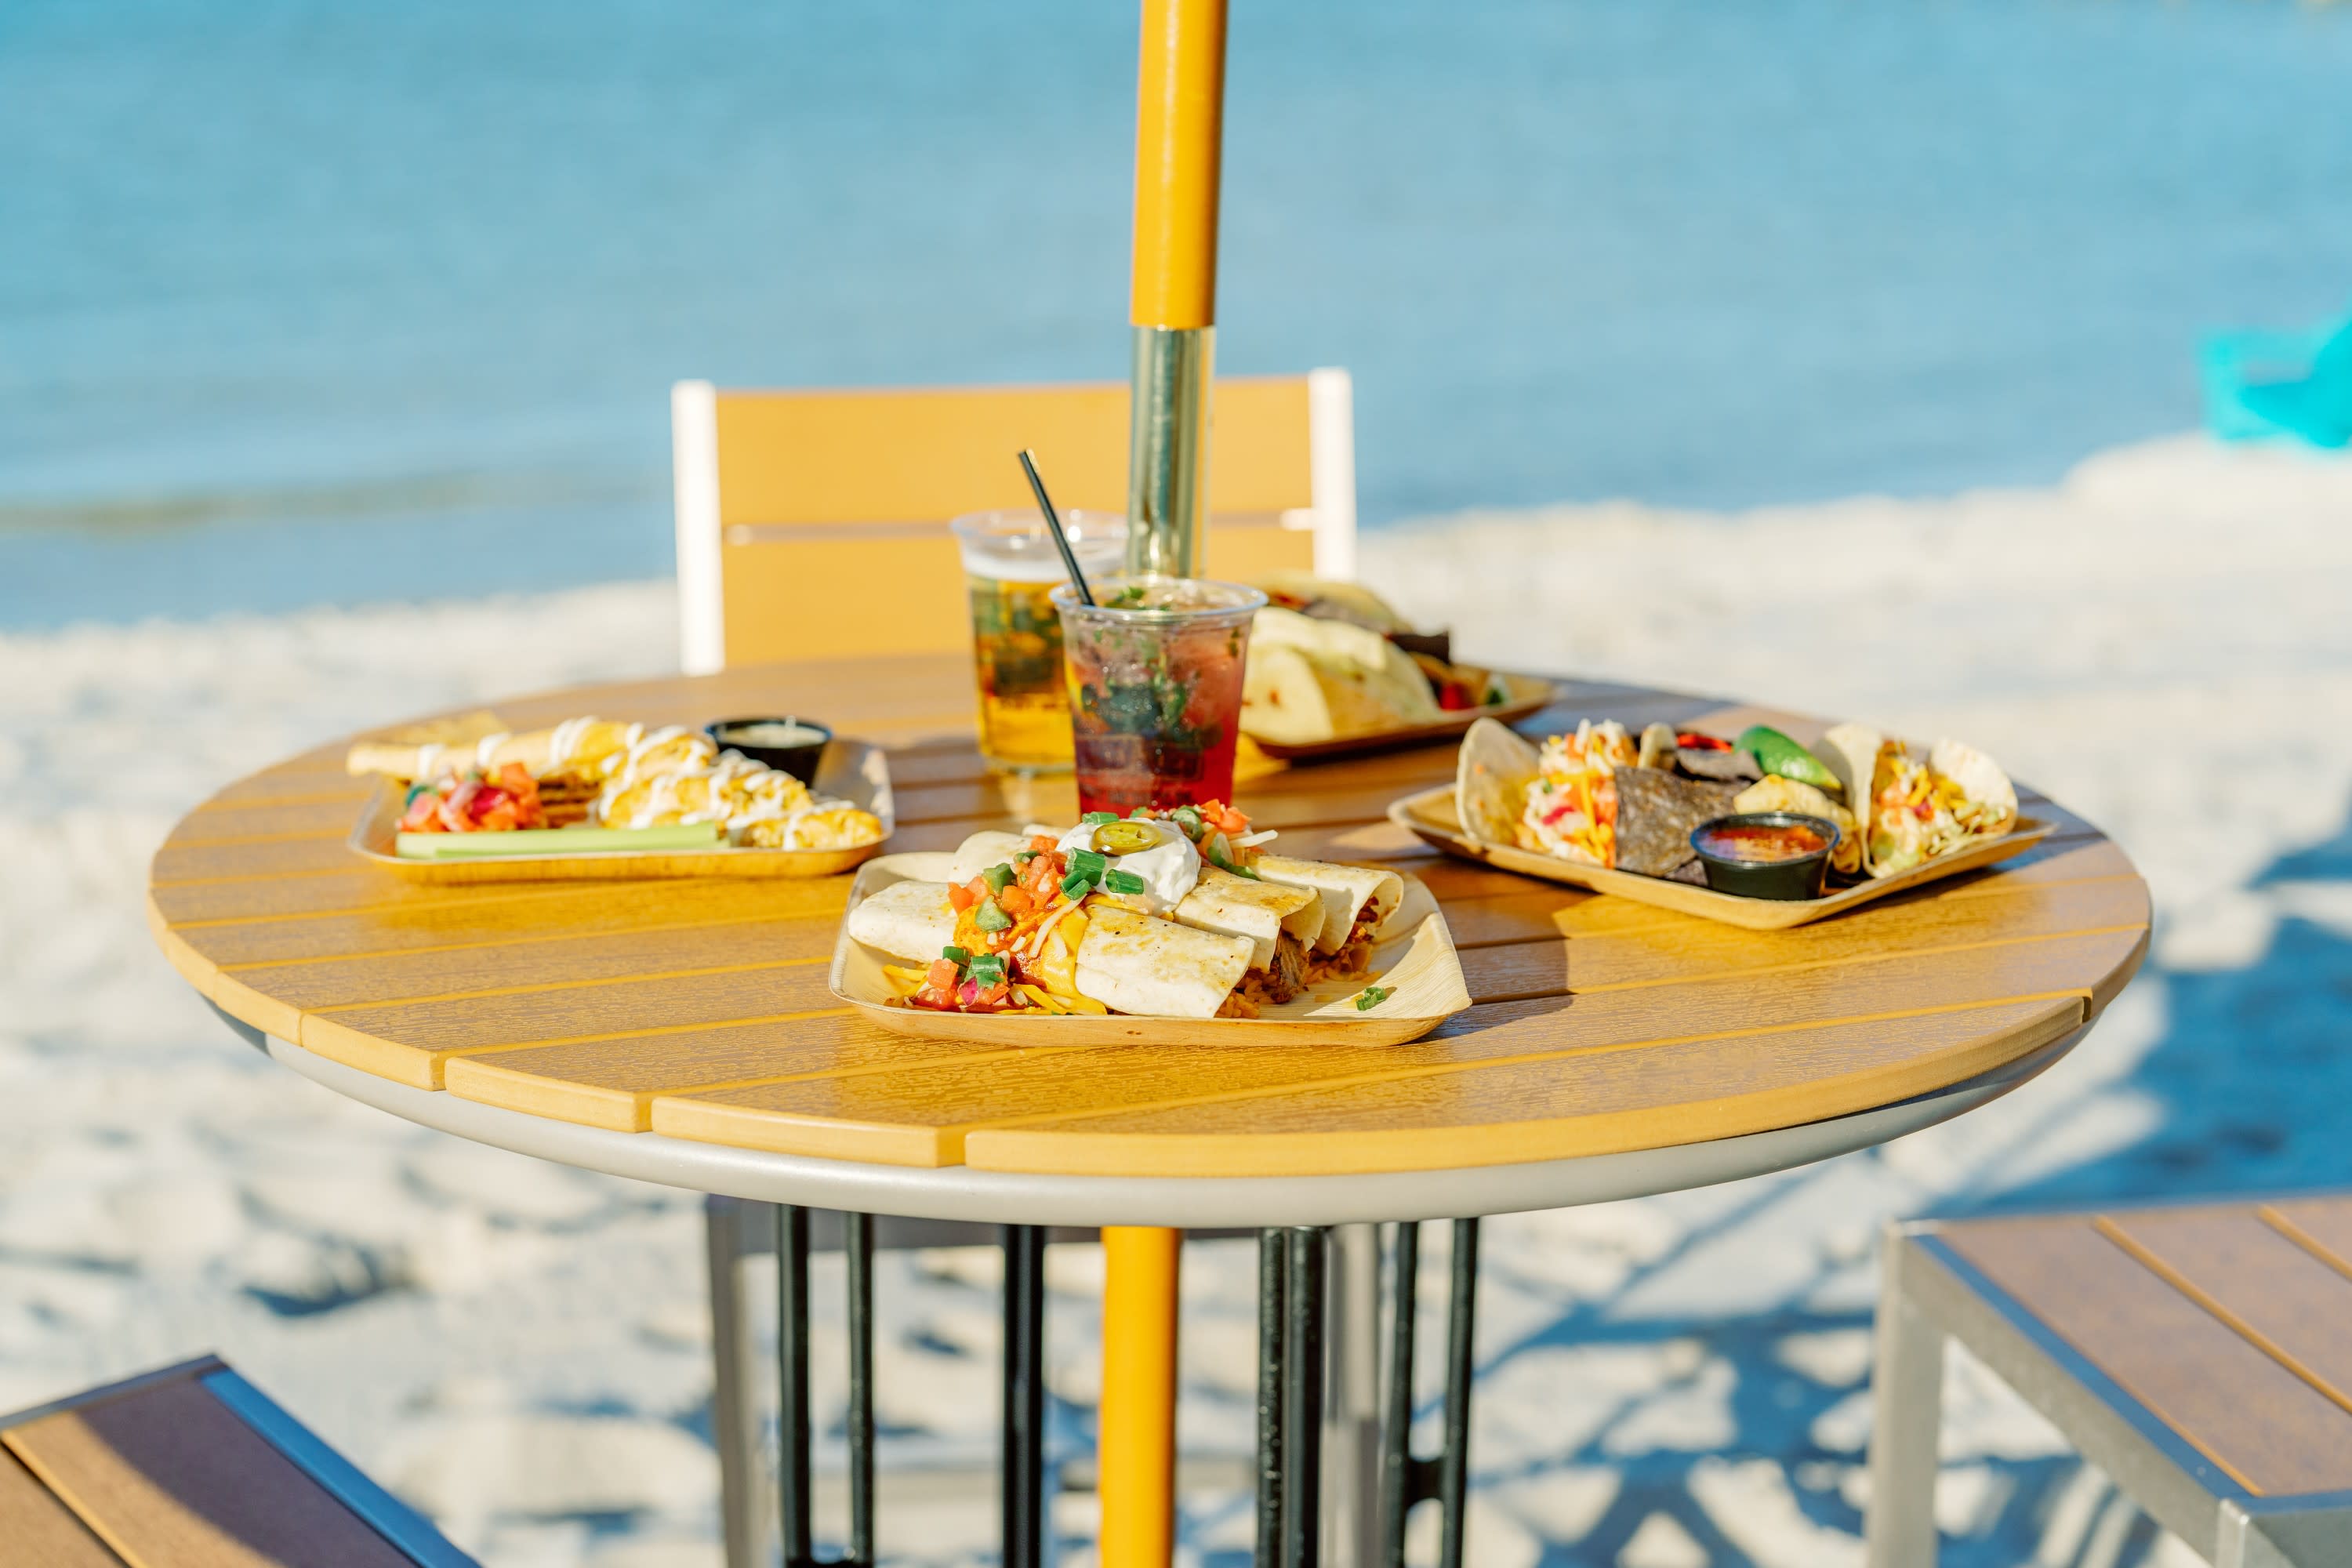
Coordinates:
[1054,523]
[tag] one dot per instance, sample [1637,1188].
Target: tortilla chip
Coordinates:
[1655,813]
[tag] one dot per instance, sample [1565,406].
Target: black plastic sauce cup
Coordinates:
[795,746]
[1796,877]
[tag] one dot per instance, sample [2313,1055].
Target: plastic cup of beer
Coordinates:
[1010,571]
[1155,670]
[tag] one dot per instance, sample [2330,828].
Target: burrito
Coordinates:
[1177,913]
[1356,899]
[1135,964]
[1279,922]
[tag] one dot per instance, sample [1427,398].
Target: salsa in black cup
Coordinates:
[1766,853]
[795,746]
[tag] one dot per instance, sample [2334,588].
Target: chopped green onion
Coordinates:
[989,916]
[1124,882]
[998,877]
[956,956]
[1089,862]
[1189,820]
[1025,856]
[419,787]
[1371,996]
[1077,885]
[1097,818]
[1140,814]
[988,968]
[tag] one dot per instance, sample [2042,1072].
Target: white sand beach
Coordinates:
[2161,641]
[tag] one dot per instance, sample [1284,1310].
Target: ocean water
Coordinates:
[303,302]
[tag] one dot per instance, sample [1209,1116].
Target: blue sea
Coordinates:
[307,302]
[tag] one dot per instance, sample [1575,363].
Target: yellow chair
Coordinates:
[814,524]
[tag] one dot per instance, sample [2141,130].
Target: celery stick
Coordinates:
[559,841]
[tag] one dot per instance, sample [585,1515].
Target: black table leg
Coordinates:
[1272,1321]
[792,1383]
[1302,1404]
[859,1242]
[1024,1502]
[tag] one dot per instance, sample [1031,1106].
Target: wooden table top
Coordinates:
[700,1009]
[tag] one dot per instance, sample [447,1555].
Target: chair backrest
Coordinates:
[812,524]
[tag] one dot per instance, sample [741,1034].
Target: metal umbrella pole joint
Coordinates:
[1179,133]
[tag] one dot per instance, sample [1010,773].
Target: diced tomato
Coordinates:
[1222,818]
[941,976]
[1043,843]
[1016,901]
[980,890]
[961,898]
[1604,802]
[1695,741]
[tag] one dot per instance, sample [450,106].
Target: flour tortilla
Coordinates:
[1981,780]
[1348,891]
[1490,782]
[983,849]
[906,920]
[1257,911]
[1850,751]
[1155,968]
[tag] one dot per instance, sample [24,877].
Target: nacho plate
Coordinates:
[1431,815]
[1413,956]
[852,771]
[1529,694]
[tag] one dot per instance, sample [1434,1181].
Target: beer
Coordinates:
[1011,569]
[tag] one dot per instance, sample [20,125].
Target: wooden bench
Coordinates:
[192,1467]
[2201,1356]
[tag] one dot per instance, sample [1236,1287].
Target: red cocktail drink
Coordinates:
[1155,673]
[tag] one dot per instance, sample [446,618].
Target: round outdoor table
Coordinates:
[682,1032]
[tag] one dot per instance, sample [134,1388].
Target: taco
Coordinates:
[1912,811]
[1490,782]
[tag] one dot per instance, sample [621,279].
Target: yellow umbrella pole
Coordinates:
[1135,1445]
[1178,126]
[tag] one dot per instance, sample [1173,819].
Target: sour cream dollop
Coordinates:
[1169,868]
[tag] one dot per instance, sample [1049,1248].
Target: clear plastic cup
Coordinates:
[1010,571]
[1155,671]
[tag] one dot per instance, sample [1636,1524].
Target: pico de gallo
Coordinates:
[475,803]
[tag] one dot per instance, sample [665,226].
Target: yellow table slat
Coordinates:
[1554,1107]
